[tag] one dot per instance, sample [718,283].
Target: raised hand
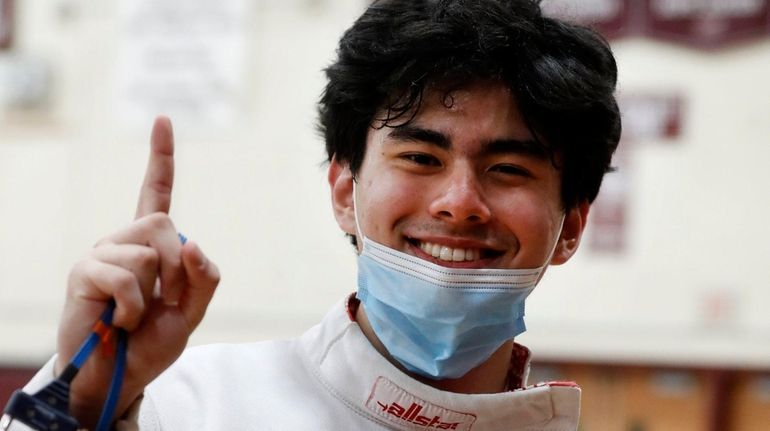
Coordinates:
[161,290]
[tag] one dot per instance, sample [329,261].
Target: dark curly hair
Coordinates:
[561,75]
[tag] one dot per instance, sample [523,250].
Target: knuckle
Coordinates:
[127,297]
[123,281]
[146,258]
[102,242]
[81,270]
[130,306]
[81,266]
[214,275]
[159,221]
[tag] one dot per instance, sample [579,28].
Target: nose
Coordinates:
[461,200]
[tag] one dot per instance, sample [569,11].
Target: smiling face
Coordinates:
[464,184]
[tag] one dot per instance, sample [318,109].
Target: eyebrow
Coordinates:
[529,147]
[417,134]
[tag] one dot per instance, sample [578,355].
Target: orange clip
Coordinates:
[105,334]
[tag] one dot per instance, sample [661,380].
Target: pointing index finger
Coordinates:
[155,195]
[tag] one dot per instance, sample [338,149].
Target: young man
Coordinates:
[466,141]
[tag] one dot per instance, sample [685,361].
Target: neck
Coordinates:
[491,376]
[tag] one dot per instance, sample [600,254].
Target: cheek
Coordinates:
[534,222]
[388,200]
[528,219]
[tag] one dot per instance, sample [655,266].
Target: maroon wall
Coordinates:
[12,379]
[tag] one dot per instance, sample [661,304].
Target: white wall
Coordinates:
[255,198]
[697,228]
[254,195]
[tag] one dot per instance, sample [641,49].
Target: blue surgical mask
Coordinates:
[440,322]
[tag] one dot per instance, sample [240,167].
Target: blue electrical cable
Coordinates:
[47,409]
[93,339]
[113,394]
[49,405]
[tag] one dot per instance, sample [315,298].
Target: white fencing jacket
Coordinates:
[331,378]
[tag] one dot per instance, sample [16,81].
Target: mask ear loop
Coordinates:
[359,234]
[553,249]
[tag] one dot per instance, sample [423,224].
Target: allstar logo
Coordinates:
[411,415]
[397,405]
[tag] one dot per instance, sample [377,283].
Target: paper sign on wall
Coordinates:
[184,58]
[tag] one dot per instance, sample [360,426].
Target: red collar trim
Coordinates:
[519,356]
[351,306]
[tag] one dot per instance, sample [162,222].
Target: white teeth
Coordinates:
[446,253]
[458,255]
[468,254]
[450,254]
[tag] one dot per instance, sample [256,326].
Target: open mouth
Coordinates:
[454,254]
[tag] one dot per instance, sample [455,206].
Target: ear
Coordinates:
[341,184]
[571,232]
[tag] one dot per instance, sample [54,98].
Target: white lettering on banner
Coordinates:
[674,9]
[398,406]
[582,10]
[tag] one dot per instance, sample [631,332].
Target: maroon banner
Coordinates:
[6,23]
[650,116]
[707,23]
[611,18]
[607,231]
[647,117]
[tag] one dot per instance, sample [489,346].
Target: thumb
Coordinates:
[203,278]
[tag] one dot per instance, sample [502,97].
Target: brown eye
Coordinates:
[422,159]
[511,170]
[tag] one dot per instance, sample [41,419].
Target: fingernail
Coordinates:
[171,297]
